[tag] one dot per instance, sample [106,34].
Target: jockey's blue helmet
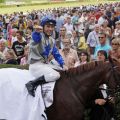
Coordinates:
[48,20]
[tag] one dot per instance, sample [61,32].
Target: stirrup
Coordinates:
[30,88]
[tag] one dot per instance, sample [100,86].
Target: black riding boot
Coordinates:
[32,85]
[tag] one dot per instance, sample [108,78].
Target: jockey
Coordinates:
[42,46]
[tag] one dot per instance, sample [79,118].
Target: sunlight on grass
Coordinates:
[45,6]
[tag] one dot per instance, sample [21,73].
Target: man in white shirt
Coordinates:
[93,39]
[68,25]
[14,38]
[101,20]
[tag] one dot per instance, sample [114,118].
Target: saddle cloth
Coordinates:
[47,93]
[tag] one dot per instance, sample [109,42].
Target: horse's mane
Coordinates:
[84,68]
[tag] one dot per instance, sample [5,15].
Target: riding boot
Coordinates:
[32,85]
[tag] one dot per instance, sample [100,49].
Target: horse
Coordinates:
[76,86]
[71,93]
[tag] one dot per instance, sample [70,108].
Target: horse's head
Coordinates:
[77,85]
[90,76]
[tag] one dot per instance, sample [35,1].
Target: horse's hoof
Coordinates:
[30,88]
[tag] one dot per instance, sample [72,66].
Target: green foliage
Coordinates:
[2,1]
[14,66]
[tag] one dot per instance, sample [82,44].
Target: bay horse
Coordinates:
[71,93]
[76,86]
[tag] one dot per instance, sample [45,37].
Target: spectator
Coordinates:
[75,17]
[18,46]
[101,19]
[62,35]
[89,26]
[115,51]
[83,57]
[1,21]
[59,22]
[82,20]
[30,23]
[117,12]
[55,34]
[2,51]
[93,39]
[9,32]
[68,25]
[69,55]
[112,22]
[69,35]
[14,38]
[24,60]
[117,29]
[28,33]
[103,45]
[2,46]
[74,40]
[107,30]
[10,57]
[102,55]
[82,44]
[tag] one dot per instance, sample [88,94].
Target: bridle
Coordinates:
[116,92]
[117,89]
[114,73]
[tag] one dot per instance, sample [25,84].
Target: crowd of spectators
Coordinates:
[85,30]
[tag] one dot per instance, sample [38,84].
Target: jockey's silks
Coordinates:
[41,47]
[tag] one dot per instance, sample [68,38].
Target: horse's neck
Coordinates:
[88,83]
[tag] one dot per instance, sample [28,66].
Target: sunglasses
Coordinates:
[101,37]
[62,30]
[115,44]
[67,43]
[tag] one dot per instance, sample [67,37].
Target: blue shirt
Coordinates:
[106,48]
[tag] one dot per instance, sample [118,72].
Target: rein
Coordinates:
[114,75]
[116,94]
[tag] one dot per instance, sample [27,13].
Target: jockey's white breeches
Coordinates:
[39,69]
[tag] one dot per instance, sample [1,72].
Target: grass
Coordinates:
[11,9]
[14,66]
